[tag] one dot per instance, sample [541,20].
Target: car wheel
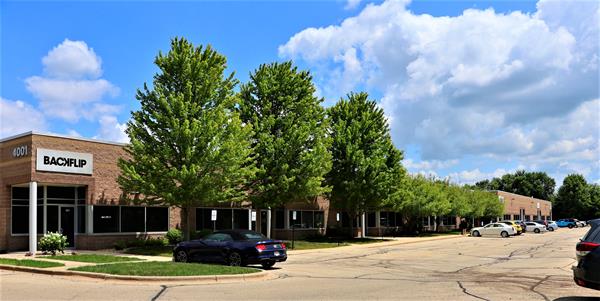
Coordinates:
[234,259]
[504,234]
[476,233]
[551,229]
[570,226]
[181,256]
[536,230]
[267,264]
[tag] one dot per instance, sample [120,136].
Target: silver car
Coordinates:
[552,226]
[493,229]
[535,227]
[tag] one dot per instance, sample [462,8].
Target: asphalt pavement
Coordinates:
[528,267]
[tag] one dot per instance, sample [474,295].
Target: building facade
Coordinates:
[520,207]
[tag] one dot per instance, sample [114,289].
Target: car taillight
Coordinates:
[261,247]
[584,247]
[282,245]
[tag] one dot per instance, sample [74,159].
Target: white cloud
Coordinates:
[475,175]
[512,87]
[72,59]
[17,117]
[428,165]
[112,130]
[71,88]
[352,4]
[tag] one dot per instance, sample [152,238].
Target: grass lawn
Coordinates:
[151,251]
[164,268]
[30,263]
[95,258]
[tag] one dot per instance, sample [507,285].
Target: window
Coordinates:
[307,219]
[157,219]
[319,219]
[507,217]
[59,192]
[81,214]
[219,237]
[253,236]
[20,219]
[279,219]
[133,219]
[52,218]
[371,220]
[295,222]
[240,219]
[223,219]
[106,219]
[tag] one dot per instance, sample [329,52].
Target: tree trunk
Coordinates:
[185,222]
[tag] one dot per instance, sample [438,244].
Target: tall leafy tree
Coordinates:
[188,147]
[290,139]
[576,198]
[363,155]
[536,184]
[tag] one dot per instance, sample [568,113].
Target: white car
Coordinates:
[493,229]
[535,227]
[552,226]
[580,223]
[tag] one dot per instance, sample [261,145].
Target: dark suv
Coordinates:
[587,271]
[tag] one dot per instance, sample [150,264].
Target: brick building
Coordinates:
[520,207]
[57,183]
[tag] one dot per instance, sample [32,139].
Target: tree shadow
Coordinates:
[576,298]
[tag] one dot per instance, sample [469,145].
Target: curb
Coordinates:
[261,275]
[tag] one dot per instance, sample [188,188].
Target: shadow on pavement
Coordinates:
[574,298]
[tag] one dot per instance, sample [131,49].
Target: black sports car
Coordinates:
[232,247]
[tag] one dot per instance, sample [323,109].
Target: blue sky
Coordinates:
[473,89]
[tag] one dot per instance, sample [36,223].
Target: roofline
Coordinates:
[498,190]
[31,133]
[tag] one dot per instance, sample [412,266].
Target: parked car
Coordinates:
[580,223]
[542,222]
[517,227]
[535,227]
[552,226]
[522,224]
[232,247]
[493,229]
[585,273]
[567,222]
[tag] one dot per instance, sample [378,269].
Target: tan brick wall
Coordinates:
[514,202]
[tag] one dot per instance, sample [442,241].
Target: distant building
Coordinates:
[520,207]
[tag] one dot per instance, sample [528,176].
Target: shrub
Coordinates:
[120,245]
[53,242]
[140,242]
[174,236]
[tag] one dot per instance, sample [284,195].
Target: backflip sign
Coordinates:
[65,162]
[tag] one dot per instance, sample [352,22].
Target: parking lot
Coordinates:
[527,267]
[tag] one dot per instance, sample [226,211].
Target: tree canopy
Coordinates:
[188,146]
[577,199]
[536,184]
[290,140]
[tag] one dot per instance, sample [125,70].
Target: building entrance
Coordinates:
[67,224]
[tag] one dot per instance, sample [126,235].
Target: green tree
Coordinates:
[536,184]
[574,199]
[290,135]
[361,172]
[188,147]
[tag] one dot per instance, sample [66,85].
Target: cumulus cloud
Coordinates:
[112,130]
[71,88]
[513,87]
[351,4]
[475,175]
[17,117]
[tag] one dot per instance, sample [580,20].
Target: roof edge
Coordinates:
[32,133]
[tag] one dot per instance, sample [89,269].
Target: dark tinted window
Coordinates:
[106,219]
[81,214]
[279,219]
[371,219]
[157,219]
[20,193]
[593,235]
[240,219]
[219,237]
[52,218]
[57,192]
[319,219]
[132,219]
[224,219]
[253,236]
[20,219]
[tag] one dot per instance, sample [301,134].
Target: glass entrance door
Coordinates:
[67,224]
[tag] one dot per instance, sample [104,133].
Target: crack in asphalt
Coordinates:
[533,287]
[464,290]
[162,290]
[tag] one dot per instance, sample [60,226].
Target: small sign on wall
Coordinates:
[253,216]
[213,215]
[337,217]
[294,215]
